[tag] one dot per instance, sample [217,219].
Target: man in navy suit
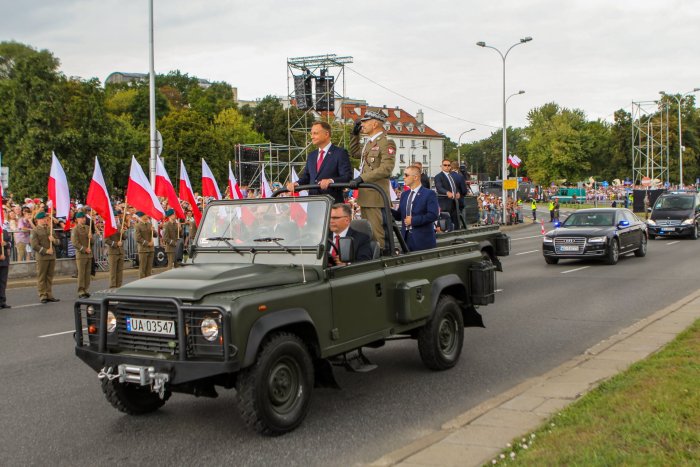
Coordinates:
[327,164]
[418,210]
[448,192]
[341,215]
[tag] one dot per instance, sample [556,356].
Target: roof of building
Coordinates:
[399,122]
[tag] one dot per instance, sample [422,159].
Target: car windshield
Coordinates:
[586,219]
[674,203]
[276,222]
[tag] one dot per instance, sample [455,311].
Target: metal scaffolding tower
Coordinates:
[327,72]
[650,141]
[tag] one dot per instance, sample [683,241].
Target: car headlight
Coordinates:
[547,240]
[111,322]
[651,222]
[689,221]
[210,328]
[596,240]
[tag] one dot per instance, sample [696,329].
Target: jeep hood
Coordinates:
[195,281]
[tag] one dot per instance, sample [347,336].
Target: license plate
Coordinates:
[668,230]
[150,326]
[568,248]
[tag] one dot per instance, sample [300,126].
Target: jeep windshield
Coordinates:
[674,203]
[275,223]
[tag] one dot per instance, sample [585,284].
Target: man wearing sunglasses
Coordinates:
[418,211]
[448,191]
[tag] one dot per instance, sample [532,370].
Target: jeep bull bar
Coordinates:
[123,336]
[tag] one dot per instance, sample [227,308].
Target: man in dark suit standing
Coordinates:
[424,179]
[461,183]
[327,164]
[418,210]
[341,214]
[4,264]
[448,192]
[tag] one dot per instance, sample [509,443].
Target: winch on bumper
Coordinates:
[150,339]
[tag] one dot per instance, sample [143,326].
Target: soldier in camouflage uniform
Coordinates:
[171,235]
[81,237]
[115,256]
[377,159]
[43,243]
[143,235]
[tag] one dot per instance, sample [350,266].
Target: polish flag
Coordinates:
[298,211]
[58,189]
[140,194]
[187,194]
[514,161]
[233,188]
[355,173]
[265,190]
[209,186]
[295,179]
[98,200]
[164,188]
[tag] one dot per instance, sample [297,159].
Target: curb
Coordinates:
[31,282]
[451,426]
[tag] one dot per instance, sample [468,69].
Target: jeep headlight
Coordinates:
[596,240]
[547,240]
[651,222]
[111,322]
[210,328]
[689,221]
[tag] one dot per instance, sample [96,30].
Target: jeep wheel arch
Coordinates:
[294,320]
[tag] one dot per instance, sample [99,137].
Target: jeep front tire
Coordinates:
[440,340]
[131,398]
[274,394]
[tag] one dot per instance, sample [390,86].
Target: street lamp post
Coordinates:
[680,135]
[459,144]
[504,173]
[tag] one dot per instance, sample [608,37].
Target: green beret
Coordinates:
[139,214]
[41,215]
[169,212]
[79,215]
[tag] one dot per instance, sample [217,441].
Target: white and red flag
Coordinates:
[514,161]
[98,200]
[209,186]
[140,194]
[298,211]
[233,188]
[59,195]
[165,189]
[187,194]
[265,190]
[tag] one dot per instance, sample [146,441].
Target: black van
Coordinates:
[675,214]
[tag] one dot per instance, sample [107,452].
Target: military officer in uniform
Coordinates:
[43,243]
[143,235]
[171,234]
[377,158]
[81,237]
[115,257]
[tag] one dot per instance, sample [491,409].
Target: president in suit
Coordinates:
[327,164]
[341,214]
[448,192]
[418,211]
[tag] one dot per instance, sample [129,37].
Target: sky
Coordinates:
[593,55]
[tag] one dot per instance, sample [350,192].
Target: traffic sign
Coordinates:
[510,184]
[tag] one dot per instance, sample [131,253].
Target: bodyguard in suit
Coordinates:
[448,192]
[341,214]
[461,183]
[5,264]
[418,210]
[327,164]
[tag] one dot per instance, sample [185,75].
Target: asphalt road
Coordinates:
[53,411]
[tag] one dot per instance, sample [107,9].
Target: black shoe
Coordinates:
[5,305]
[53,299]
[44,300]
[84,295]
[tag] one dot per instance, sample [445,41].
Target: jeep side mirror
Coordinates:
[347,250]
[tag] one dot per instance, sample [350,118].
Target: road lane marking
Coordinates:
[28,305]
[574,270]
[524,238]
[59,333]
[527,252]
[673,243]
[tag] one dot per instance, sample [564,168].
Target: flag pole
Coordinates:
[126,209]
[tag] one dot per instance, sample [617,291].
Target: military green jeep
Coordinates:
[257,308]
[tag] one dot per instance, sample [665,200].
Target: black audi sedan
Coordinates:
[597,234]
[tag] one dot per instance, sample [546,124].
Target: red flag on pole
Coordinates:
[98,199]
[233,187]
[209,186]
[59,194]
[187,194]
[164,188]
[140,193]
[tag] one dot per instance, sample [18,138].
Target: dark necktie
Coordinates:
[336,250]
[409,204]
[452,183]
[319,160]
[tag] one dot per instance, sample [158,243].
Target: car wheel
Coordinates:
[273,395]
[652,236]
[642,250]
[694,233]
[613,252]
[132,399]
[550,260]
[440,340]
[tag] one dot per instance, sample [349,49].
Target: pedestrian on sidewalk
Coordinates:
[81,238]
[5,264]
[43,243]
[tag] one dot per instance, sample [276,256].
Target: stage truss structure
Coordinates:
[650,141]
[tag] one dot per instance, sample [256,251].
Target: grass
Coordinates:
[648,415]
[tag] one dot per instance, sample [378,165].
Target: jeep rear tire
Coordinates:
[132,399]
[274,394]
[440,340]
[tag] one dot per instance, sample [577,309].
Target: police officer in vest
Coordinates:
[171,234]
[115,256]
[81,237]
[43,242]
[551,211]
[377,158]
[143,235]
[533,205]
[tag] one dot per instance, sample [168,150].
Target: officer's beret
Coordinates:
[374,115]
[41,215]
[169,212]
[79,215]
[139,214]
